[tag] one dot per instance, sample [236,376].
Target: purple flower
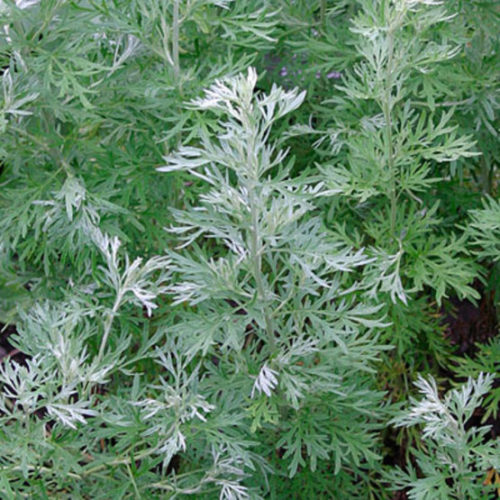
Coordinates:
[334,74]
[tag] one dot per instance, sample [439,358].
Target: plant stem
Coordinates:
[175,40]
[322,13]
[120,461]
[255,239]
[256,257]
[485,175]
[387,110]
[107,325]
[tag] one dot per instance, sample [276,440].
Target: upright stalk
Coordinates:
[175,40]
[255,251]
[107,326]
[485,175]
[256,244]
[175,56]
[322,13]
[387,110]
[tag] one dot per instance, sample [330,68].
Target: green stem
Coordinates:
[256,246]
[387,110]
[485,176]
[175,40]
[322,13]
[119,461]
[256,258]
[107,326]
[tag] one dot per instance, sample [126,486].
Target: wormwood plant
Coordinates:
[484,235]
[475,88]
[91,100]
[197,313]
[486,360]
[264,361]
[455,457]
[399,126]
[390,152]
[280,346]
[54,422]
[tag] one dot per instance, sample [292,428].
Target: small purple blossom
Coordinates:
[334,74]
[283,71]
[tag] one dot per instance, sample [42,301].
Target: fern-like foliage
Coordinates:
[454,461]
[280,335]
[388,155]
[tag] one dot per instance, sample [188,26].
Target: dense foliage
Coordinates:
[240,241]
